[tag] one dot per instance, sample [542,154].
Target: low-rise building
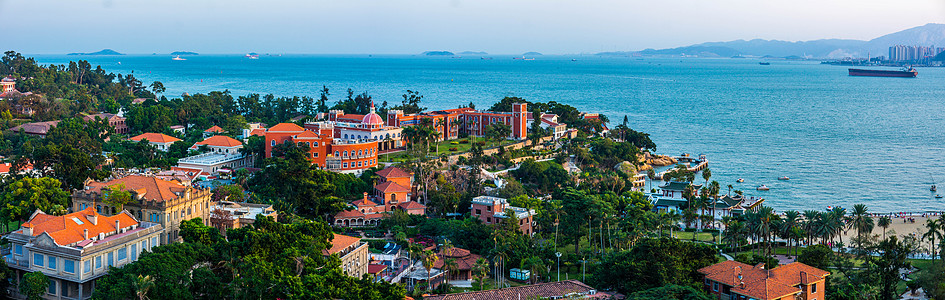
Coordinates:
[325,151]
[392,192]
[352,252]
[494,210]
[75,249]
[179,129]
[223,155]
[670,197]
[213,130]
[229,215]
[739,281]
[160,141]
[166,202]
[39,129]
[115,121]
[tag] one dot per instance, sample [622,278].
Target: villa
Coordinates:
[494,210]
[223,156]
[393,191]
[325,151]
[739,281]
[352,252]
[160,141]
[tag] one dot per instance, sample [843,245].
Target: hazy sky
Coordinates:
[413,26]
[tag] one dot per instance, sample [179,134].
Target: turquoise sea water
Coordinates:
[841,139]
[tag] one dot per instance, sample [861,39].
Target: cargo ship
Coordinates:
[910,72]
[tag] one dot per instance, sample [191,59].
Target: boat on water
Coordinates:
[178,58]
[252,55]
[764,63]
[485,58]
[938,196]
[904,72]
[784,178]
[762,188]
[740,180]
[933,188]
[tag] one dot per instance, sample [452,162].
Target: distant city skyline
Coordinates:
[414,26]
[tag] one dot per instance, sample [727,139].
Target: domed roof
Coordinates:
[372,118]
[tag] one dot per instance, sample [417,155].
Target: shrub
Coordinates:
[453,149]
[464,141]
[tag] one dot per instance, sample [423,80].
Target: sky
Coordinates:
[414,26]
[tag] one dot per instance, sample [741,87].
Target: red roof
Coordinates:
[411,205]
[344,214]
[5,168]
[376,268]
[155,138]
[38,128]
[339,242]
[149,188]
[759,283]
[66,229]
[393,172]
[285,127]
[215,129]
[547,290]
[391,187]
[219,141]
[258,132]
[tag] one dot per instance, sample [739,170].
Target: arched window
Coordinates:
[272,143]
[346,136]
[346,153]
[360,152]
[393,198]
[336,153]
[314,144]
[388,135]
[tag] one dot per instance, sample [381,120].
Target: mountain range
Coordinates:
[927,35]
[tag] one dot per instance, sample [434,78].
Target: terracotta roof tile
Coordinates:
[412,205]
[215,129]
[285,127]
[393,172]
[219,141]
[759,283]
[40,128]
[155,138]
[340,242]
[344,214]
[376,268]
[153,188]
[391,187]
[65,230]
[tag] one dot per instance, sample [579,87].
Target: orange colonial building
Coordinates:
[325,151]
[393,191]
[363,127]
[739,281]
[450,122]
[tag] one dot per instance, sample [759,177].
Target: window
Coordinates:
[813,288]
[134,252]
[154,241]
[38,260]
[52,287]
[111,259]
[346,165]
[478,211]
[88,266]
[122,254]
[315,155]
[360,152]
[68,266]
[345,153]
[98,262]
[359,164]
[488,220]
[272,143]
[144,245]
[18,249]
[314,144]
[715,286]
[52,262]
[488,208]
[336,153]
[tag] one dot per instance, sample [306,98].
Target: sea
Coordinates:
[841,140]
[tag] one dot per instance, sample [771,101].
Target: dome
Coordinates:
[372,119]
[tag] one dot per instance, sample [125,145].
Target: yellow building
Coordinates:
[353,254]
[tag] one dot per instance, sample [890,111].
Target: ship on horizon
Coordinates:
[910,72]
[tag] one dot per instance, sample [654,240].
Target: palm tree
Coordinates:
[810,219]
[142,284]
[429,258]
[862,222]
[884,222]
[933,233]
[450,263]
[796,233]
[689,216]
[767,217]
[734,234]
[789,223]
[479,271]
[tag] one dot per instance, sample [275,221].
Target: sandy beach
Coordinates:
[900,226]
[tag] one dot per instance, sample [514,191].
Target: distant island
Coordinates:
[184,53]
[438,53]
[531,53]
[103,52]
[474,53]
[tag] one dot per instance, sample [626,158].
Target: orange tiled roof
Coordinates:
[412,205]
[66,231]
[215,129]
[285,127]
[348,214]
[154,138]
[307,134]
[391,187]
[760,283]
[463,258]
[393,172]
[151,188]
[219,141]
[340,242]
[258,132]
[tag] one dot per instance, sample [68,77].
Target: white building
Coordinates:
[158,140]
[223,154]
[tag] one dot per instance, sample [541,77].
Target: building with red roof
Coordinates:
[325,151]
[369,127]
[740,281]
[565,289]
[115,121]
[222,156]
[392,192]
[450,122]
[166,202]
[213,130]
[75,249]
[39,129]
[160,141]
[354,254]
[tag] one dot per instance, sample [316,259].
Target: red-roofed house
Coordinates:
[215,130]
[352,252]
[167,202]
[158,140]
[75,249]
[39,129]
[740,281]
[337,155]
[116,121]
[391,193]
[223,156]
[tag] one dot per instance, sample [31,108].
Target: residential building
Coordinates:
[179,129]
[214,130]
[670,197]
[153,199]
[450,122]
[223,156]
[352,252]
[739,281]
[75,249]
[392,192]
[549,122]
[463,259]
[566,289]
[160,141]
[229,215]
[255,128]
[39,129]
[325,151]
[7,85]
[365,127]
[115,121]
[494,210]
